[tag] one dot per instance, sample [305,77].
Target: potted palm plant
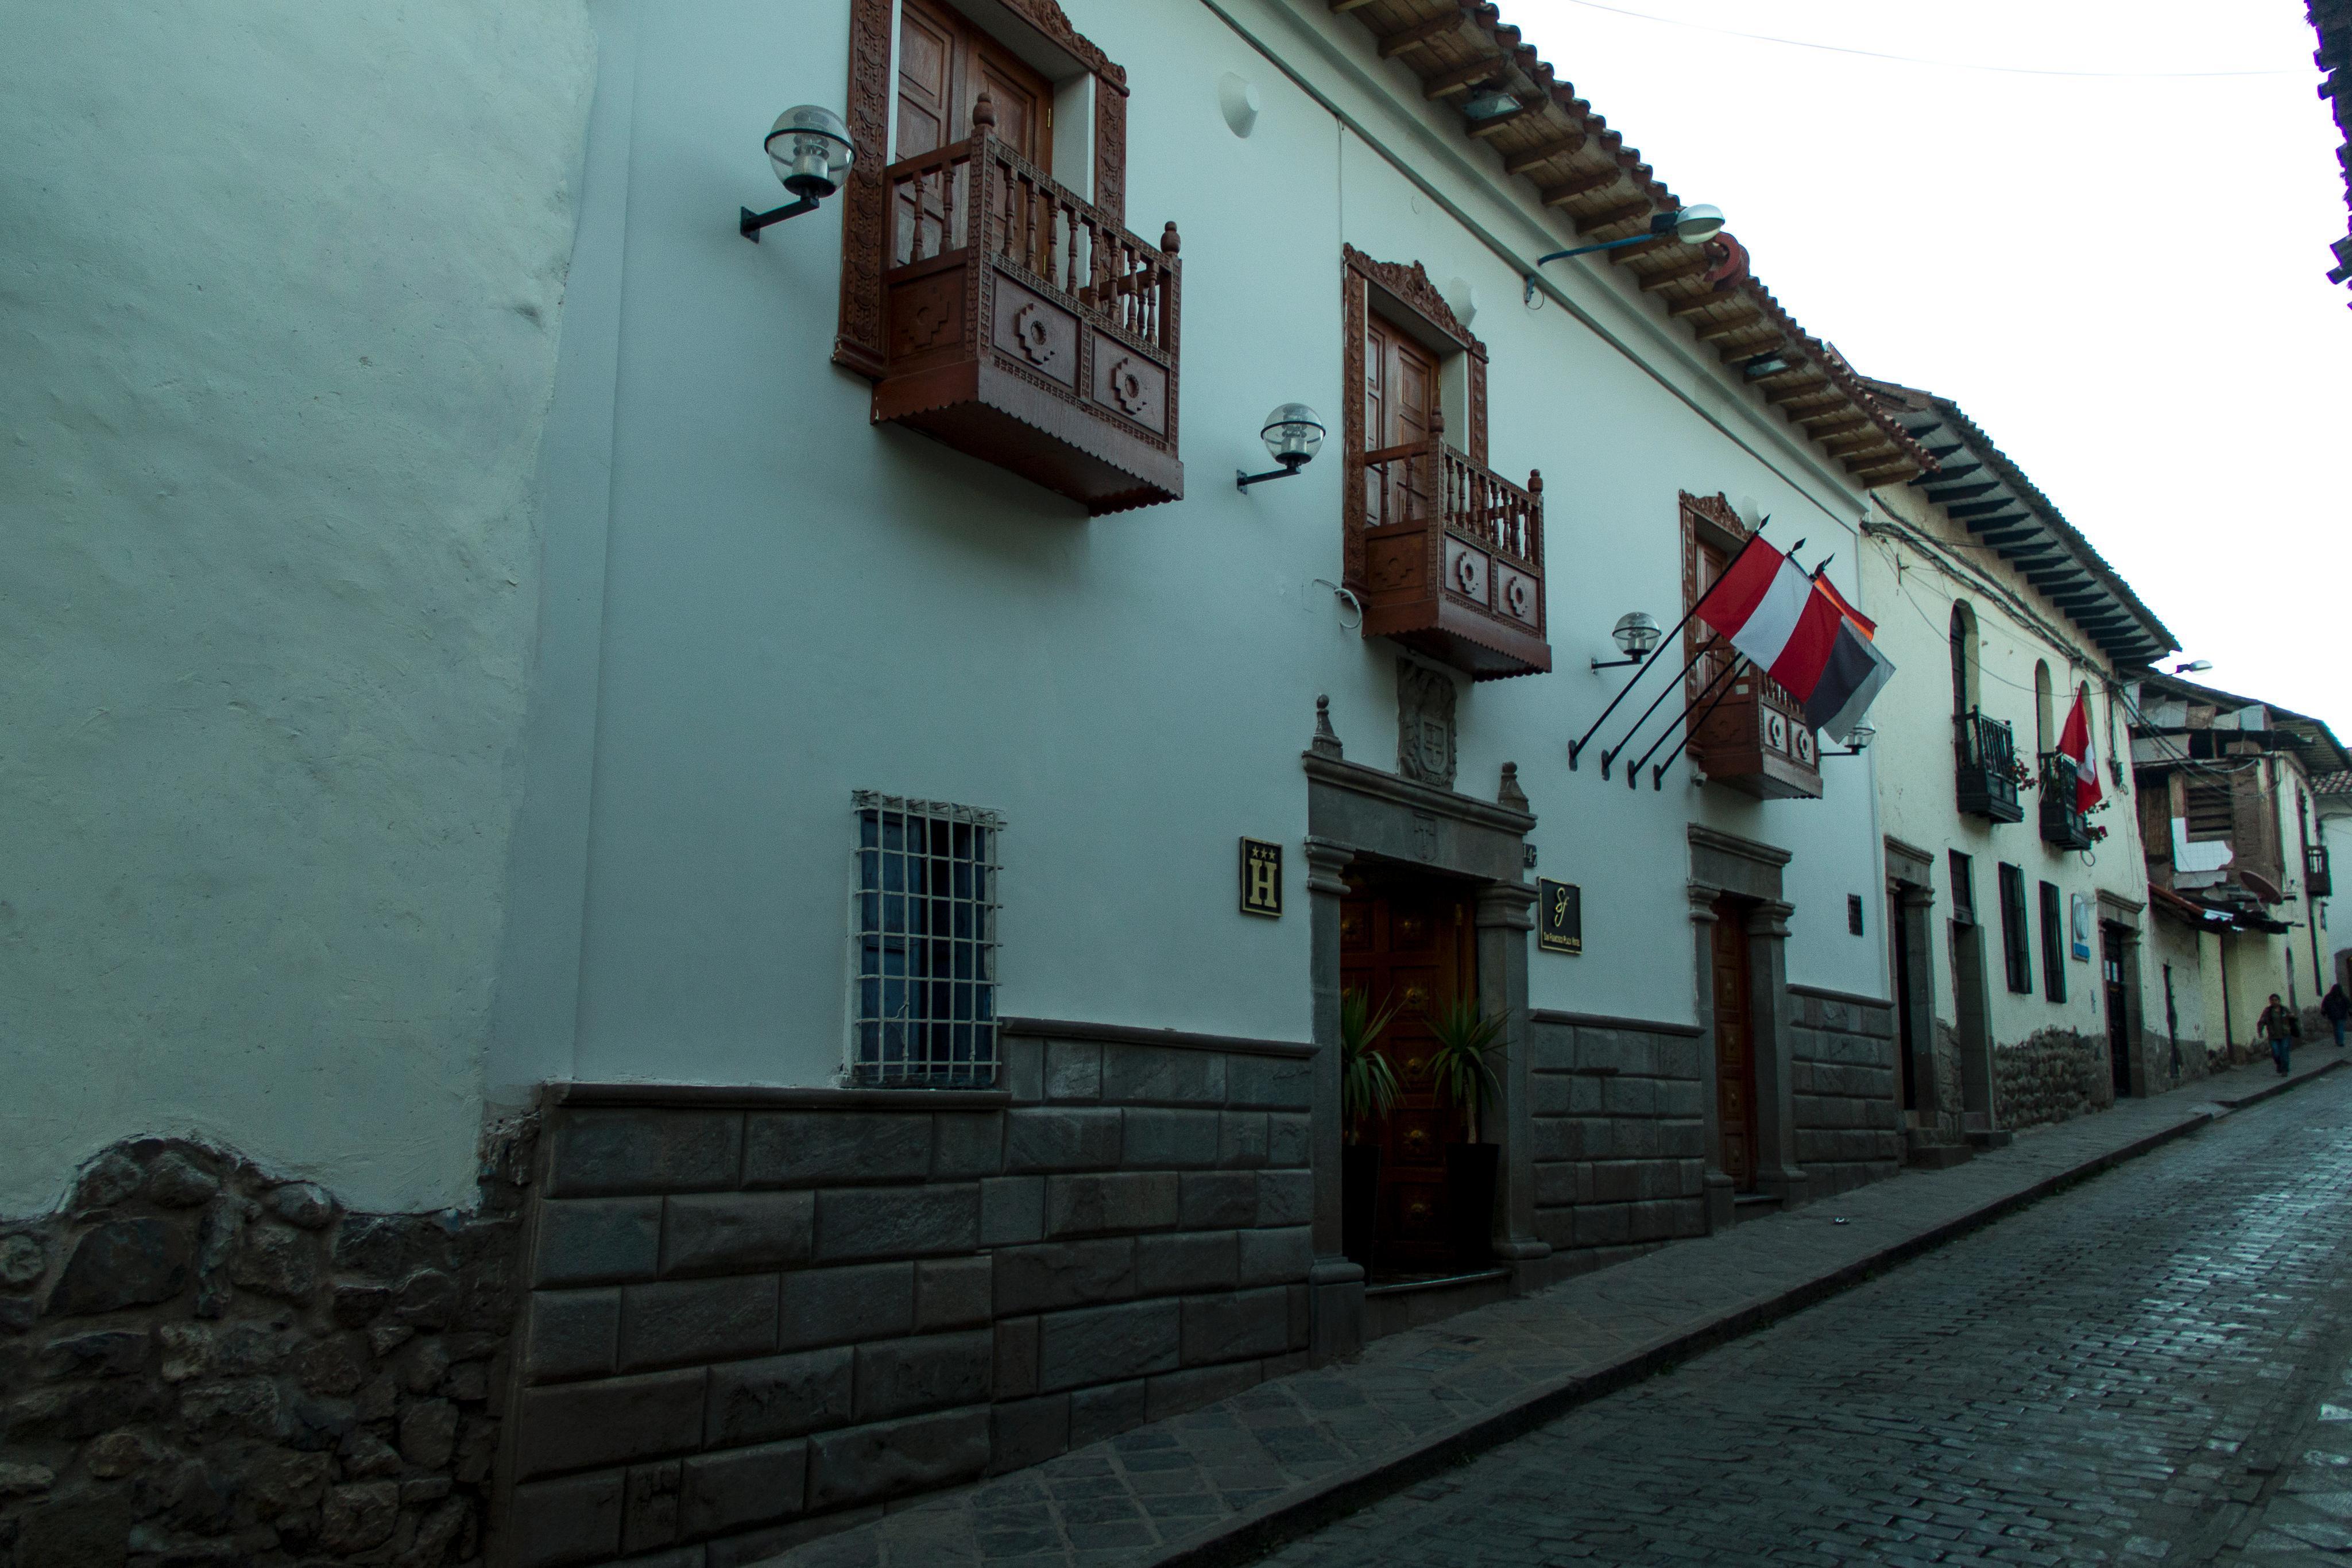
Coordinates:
[1368,1087]
[1465,1045]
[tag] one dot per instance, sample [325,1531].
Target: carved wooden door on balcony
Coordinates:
[1400,407]
[1410,939]
[944,65]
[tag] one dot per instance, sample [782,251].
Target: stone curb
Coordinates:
[1246,1537]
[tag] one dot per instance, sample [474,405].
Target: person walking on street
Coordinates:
[2336,1007]
[2279,1026]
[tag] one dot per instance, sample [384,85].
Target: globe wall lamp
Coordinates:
[1637,638]
[1693,224]
[1861,737]
[1293,433]
[810,150]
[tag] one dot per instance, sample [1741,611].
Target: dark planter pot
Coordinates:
[1470,1201]
[1359,1197]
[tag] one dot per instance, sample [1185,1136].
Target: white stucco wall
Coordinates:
[787,603]
[278,306]
[1912,599]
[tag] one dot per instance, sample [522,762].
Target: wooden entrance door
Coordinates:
[944,65]
[1400,409]
[1735,1048]
[1410,938]
[1899,928]
[2111,970]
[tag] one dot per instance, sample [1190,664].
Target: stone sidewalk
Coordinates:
[1229,1482]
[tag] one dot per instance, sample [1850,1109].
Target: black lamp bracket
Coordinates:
[1619,663]
[752,223]
[1243,479]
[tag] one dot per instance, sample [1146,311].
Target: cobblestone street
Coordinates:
[2150,1368]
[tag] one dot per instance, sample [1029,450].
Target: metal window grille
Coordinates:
[2053,943]
[923,917]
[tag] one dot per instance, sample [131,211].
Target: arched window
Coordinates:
[1964,660]
[2046,731]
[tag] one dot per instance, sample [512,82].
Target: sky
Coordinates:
[2121,278]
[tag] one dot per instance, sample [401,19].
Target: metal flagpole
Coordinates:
[1658,776]
[1619,750]
[1576,747]
[1632,774]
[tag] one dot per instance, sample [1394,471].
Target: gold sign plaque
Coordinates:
[1261,878]
[1560,916]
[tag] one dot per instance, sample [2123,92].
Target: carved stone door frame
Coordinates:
[1353,811]
[1724,863]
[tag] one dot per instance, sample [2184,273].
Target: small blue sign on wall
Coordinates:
[2078,923]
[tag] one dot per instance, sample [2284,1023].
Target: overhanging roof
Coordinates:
[1981,488]
[1581,168]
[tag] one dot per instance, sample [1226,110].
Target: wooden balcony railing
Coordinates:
[1454,567]
[1754,739]
[1026,326]
[2061,824]
[1986,773]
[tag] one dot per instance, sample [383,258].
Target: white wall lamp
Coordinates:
[1693,224]
[1294,434]
[1861,736]
[810,150]
[1637,639]
[2193,667]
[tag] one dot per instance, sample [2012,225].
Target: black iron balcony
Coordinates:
[1988,771]
[2316,883]
[2061,824]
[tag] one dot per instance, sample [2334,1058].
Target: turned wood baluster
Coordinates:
[1532,549]
[1171,242]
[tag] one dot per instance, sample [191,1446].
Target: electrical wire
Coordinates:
[1920,61]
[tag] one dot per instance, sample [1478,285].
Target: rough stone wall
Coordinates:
[1619,1142]
[2054,1075]
[1848,1117]
[1951,1095]
[752,1323]
[201,1361]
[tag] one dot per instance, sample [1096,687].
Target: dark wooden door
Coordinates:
[1400,407]
[2111,970]
[944,65]
[1735,1048]
[1410,939]
[1906,1044]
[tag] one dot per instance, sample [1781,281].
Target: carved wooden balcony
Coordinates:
[1986,770]
[1459,576]
[1026,328]
[1756,740]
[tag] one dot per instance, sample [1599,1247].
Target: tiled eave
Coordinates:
[1983,490]
[2332,20]
[1581,168]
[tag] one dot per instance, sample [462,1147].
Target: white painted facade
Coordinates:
[1917,566]
[282,287]
[325,857]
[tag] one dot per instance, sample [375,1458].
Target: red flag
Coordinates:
[1862,624]
[2075,741]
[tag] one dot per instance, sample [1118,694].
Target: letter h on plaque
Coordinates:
[1261,878]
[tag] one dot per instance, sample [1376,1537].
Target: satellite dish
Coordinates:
[2262,887]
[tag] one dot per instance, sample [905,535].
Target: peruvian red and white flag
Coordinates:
[1766,606]
[2075,741]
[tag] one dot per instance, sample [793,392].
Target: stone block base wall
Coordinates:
[2053,1075]
[1619,1139]
[756,1317]
[202,1362]
[1848,1116]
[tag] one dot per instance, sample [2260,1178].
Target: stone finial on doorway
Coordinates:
[1511,794]
[1327,740]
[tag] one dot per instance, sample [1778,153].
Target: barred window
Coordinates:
[923,916]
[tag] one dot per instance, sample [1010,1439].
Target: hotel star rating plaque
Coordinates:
[1261,878]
